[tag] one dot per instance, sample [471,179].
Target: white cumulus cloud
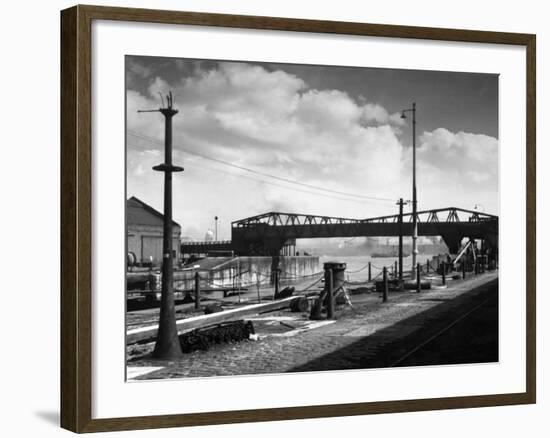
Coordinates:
[273,122]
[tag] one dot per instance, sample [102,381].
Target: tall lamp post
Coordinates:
[216,228]
[167,345]
[414,206]
[400,271]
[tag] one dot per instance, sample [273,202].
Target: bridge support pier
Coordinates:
[453,242]
[275,269]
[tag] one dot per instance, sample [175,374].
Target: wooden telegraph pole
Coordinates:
[167,345]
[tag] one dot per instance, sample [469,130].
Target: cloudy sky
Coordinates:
[259,137]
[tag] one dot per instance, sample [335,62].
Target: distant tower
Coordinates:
[209,236]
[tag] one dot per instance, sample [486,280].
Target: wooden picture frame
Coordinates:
[76,217]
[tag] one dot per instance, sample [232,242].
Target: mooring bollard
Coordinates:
[384,284]
[443,280]
[197,290]
[335,278]
[370,277]
[330,293]
[418,283]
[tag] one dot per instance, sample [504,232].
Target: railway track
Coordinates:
[463,332]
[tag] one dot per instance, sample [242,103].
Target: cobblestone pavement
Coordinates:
[370,335]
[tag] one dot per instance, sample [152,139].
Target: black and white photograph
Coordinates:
[275,219]
[289,218]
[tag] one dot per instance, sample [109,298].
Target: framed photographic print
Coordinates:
[269,218]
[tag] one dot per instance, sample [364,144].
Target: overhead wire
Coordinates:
[264,174]
[260,181]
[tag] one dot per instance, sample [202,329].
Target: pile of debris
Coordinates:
[204,337]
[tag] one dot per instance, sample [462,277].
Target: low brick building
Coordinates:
[144,228]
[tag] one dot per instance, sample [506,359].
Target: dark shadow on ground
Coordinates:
[474,340]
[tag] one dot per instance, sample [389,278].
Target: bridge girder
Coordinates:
[263,238]
[453,214]
[205,247]
[267,233]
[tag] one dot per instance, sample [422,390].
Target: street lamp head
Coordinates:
[403,116]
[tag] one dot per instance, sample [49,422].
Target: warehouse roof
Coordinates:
[140,213]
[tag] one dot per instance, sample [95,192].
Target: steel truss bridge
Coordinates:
[269,233]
